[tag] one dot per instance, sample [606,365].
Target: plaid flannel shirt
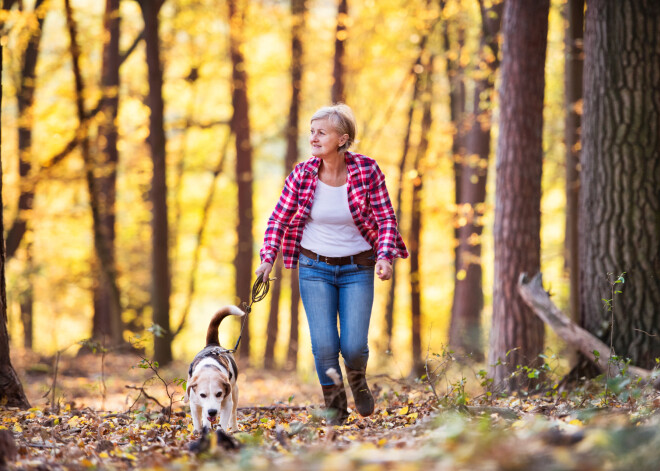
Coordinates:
[368,201]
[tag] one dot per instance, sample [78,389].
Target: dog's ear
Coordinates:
[190,387]
[223,385]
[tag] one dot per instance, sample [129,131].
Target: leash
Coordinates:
[259,292]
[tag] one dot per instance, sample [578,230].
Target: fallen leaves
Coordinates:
[408,430]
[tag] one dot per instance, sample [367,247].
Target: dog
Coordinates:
[211,388]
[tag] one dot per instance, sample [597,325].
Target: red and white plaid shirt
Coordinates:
[368,202]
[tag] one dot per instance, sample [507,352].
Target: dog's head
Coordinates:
[208,388]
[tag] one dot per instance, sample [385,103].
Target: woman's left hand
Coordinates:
[383,269]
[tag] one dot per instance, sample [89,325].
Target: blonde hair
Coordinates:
[342,119]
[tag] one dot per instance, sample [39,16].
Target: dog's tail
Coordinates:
[212,332]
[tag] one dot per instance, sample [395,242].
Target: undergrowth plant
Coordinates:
[609,305]
[153,366]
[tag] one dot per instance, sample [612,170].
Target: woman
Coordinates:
[335,219]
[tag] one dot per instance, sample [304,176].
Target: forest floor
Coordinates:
[109,414]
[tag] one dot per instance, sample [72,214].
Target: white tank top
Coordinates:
[330,229]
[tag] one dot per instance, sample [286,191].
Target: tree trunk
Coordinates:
[160,270]
[574,62]
[455,72]
[107,306]
[339,70]
[417,90]
[419,165]
[25,99]
[18,229]
[620,191]
[26,298]
[389,303]
[517,335]
[241,128]
[465,327]
[298,11]
[11,390]
[110,329]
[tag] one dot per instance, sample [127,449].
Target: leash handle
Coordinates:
[259,291]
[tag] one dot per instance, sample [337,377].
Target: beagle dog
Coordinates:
[211,388]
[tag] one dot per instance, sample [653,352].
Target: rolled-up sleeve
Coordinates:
[390,245]
[278,221]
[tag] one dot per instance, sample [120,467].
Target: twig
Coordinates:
[42,445]
[149,364]
[118,415]
[645,332]
[428,376]
[104,388]
[54,386]
[144,392]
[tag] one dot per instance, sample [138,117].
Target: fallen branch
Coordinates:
[271,408]
[538,300]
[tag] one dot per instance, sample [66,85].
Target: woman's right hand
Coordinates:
[264,269]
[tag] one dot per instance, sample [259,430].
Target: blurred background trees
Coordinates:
[120,121]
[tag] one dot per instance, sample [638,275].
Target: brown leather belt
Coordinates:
[362,258]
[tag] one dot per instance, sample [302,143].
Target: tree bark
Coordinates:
[160,270]
[574,37]
[465,326]
[620,191]
[241,127]
[339,70]
[573,76]
[516,335]
[11,390]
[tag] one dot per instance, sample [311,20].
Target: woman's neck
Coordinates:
[333,170]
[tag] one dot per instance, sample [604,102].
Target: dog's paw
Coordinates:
[202,444]
[226,441]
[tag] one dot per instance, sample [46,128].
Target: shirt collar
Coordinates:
[313,164]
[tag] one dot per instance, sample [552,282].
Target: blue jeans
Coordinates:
[327,291]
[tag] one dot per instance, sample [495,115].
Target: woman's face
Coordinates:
[324,139]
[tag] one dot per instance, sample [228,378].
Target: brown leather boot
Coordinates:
[336,403]
[364,401]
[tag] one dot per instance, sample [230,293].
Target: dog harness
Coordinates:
[218,353]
